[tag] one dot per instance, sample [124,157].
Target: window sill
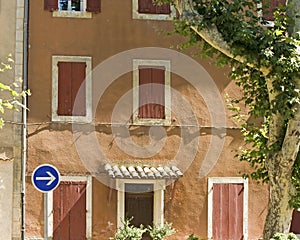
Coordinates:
[143,16]
[72,14]
[151,121]
[71,119]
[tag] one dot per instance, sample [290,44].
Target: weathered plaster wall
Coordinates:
[106,34]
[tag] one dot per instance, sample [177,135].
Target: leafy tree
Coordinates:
[10,97]
[265,63]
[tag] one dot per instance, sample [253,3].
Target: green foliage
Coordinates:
[283,236]
[129,232]
[271,57]
[10,95]
[160,232]
[192,237]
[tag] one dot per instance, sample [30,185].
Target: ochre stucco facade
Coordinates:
[103,37]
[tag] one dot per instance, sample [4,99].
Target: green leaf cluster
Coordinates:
[130,232]
[283,236]
[11,95]
[160,232]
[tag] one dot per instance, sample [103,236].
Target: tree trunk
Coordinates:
[280,167]
[279,211]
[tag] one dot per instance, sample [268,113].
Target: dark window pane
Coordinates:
[63,5]
[75,5]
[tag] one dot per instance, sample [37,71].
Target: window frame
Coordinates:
[73,14]
[49,206]
[145,16]
[227,180]
[155,63]
[158,199]
[88,84]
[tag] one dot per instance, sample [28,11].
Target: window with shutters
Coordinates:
[71,88]
[151,90]
[228,208]
[134,195]
[146,9]
[69,209]
[267,10]
[73,8]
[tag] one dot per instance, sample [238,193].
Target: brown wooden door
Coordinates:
[139,205]
[69,211]
[228,211]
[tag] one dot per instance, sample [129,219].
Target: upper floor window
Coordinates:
[71,88]
[146,9]
[70,5]
[147,6]
[151,101]
[73,8]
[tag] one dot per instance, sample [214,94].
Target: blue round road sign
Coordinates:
[45,178]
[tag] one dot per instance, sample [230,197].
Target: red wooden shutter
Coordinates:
[69,211]
[228,211]
[78,91]
[64,89]
[51,5]
[144,92]
[146,6]
[71,75]
[295,225]
[93,6]
[163,9]
[270,5]
[151,92]
[158,92]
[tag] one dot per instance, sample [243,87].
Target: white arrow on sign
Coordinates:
[51,178]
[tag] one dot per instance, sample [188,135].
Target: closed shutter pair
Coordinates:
[147,7]
[71,89]
[152,92]
[92,5]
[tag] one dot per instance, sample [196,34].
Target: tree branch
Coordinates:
[209,34]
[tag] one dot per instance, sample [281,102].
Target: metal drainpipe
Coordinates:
[24,117]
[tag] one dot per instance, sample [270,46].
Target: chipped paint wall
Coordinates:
[103,37]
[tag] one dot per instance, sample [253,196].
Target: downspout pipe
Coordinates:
[24,116]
